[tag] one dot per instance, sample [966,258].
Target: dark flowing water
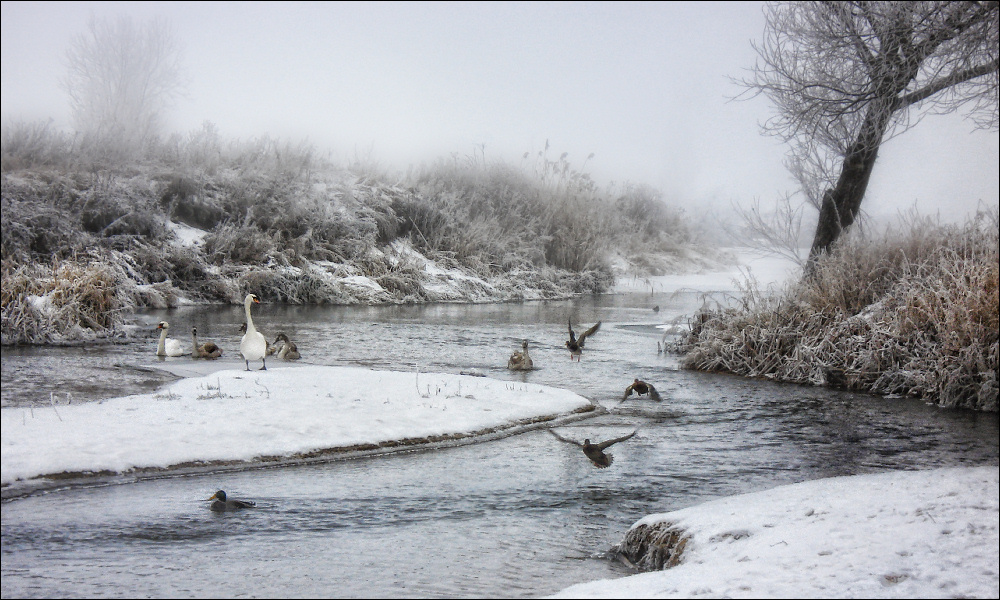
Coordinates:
[517,517]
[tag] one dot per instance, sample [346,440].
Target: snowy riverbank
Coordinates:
[915,534]
[740,263]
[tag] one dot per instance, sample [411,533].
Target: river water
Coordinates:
[521,516]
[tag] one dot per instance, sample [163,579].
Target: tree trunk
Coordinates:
[842,204]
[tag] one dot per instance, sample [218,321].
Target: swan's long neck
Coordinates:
[194,342]
[161,346]
[250,326]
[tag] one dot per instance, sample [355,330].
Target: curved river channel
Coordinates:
[521,516]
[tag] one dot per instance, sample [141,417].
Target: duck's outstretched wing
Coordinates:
[608,443]
[562,439]
[628,392]
[583,336]
[655,395]
[572,337]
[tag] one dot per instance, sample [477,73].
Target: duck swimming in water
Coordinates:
[206,350]
[595,452]
[221,504]
[575,344]
[519,360]
[285,348]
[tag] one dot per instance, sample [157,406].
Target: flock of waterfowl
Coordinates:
[520,361]
[254,346]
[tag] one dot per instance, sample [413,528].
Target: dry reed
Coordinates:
[70,302]
[910,315]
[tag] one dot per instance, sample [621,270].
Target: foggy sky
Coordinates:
[646,87]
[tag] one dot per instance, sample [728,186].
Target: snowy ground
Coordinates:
[238,416]
[918,534]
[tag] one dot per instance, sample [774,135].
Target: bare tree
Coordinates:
[121,78]
[776,231]
[847,76]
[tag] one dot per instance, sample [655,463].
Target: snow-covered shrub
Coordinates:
[70,302]
[914,314]
[34,144]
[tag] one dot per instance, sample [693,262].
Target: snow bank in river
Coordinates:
[237,415]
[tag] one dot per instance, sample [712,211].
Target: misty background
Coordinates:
[647,88]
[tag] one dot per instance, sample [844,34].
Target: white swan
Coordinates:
[168,346]
[254,344]
[206,350]
[271,348]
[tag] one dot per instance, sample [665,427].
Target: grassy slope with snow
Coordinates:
[209,221]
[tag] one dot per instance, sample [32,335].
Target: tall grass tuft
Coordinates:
[496,218]
[71,301]
[35,144]
[914,313]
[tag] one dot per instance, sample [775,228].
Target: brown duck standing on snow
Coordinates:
[595,452]
[641,388]
[520,361]
[575,344]
[206,350]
